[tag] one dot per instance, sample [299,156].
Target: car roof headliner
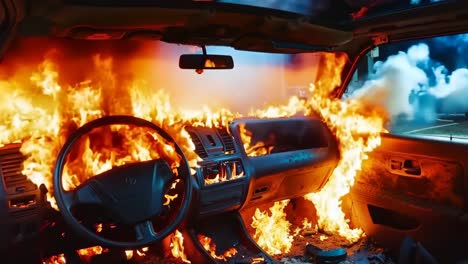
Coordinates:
[244,27]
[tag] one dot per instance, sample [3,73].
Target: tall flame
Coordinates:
[357,127]
[177,246]
[272,232]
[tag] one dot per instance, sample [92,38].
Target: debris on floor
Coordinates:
[338,250]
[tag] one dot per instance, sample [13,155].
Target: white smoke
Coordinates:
[401,84]
[454,92]
[394,79]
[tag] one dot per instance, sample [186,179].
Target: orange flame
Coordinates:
[357,126]
[210,247]
[257,149]
[177,246]
[272,232]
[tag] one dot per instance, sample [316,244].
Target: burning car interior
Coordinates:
[233,131]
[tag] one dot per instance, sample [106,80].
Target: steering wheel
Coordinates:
[133,193]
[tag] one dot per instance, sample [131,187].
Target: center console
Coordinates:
[221,174]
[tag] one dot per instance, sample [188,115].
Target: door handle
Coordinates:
[405,167]
[412,167]
[413,171]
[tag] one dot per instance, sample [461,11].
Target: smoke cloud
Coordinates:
[414,86]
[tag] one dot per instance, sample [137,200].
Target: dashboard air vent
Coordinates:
[227,139]
[199,149]
[10,167]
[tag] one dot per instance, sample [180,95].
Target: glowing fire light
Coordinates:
[169,198]
[141,252]
[272,232]
[59,259]
[305,225]
[224,175]
[91,251]
[223,178]
[258,149]
[210,247]
[177,246]
[129,254]
[99,228]
[357,126]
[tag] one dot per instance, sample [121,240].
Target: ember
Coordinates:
[87,253]
[59,259]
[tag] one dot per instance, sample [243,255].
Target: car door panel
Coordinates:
[438,181]
[413,187]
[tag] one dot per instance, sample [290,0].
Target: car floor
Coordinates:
[364,251]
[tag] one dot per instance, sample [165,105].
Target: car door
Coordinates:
[415,183]
[414,187]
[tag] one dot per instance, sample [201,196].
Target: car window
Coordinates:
[422,84]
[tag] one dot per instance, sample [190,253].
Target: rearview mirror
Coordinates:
[204,61]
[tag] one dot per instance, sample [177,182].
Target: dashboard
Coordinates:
[261,160]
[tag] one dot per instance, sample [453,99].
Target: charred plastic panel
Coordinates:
[301,155]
